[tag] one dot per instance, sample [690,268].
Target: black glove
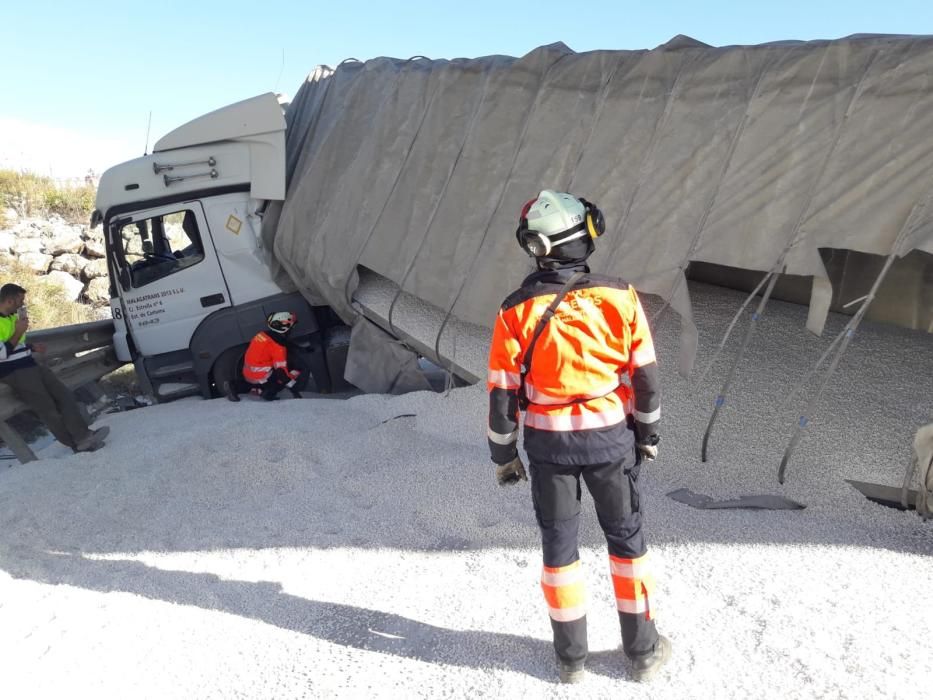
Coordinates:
[649,447]
[511,472]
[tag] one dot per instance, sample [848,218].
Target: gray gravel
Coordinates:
[324,548]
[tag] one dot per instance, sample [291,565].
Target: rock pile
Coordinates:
[70,254]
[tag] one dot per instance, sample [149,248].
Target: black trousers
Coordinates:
[271,388]
[52,401]
[556,492]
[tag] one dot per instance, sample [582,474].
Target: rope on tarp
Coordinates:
[721,397]
[492,216]
[398,175]
[649,151]
[597,113]
[848,332]
[437,204]
[725,337]
[707,210]
[795,239]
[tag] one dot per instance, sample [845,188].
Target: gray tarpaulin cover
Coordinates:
[748,156]
[396,371]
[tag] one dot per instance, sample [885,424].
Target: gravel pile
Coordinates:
[335,548]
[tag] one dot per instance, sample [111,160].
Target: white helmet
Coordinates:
[554,218]
[281,321]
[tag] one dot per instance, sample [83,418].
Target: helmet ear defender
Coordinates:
[537,245]
[532,242]
[595,222]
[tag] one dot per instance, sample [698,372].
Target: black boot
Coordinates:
[230,391]
[570,672]
[644,667]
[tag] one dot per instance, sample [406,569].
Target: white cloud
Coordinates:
[60,152]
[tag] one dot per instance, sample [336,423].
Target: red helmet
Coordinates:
[281,321]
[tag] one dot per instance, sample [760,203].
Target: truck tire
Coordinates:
[227,367]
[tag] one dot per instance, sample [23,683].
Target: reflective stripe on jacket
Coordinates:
[263,356]
[593,366]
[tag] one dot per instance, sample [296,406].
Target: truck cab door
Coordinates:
[168,275]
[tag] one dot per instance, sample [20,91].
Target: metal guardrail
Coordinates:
[78,354]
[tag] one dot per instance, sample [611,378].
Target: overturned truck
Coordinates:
[386,197]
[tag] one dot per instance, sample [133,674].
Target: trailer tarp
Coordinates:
[747,156]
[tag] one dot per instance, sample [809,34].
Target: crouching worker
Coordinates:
[36,385]
[265,366]
[573,350]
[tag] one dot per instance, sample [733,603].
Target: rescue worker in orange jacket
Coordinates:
[587,379]
[265,365]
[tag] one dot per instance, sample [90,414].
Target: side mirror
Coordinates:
[148,248]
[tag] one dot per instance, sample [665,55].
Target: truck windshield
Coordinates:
[161,245]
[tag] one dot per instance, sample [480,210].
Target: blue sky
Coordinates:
[79,79]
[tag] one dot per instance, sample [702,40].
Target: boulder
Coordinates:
[10,215]
[45,229]
[28,228]
[94,269]
[94,249]
[58,246]
[98,291]
[7,239]
[96,233]
[70,263]
[36,261]
[63,230]
[23,246]
[69,284]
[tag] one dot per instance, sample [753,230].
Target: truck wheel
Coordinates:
[228,366]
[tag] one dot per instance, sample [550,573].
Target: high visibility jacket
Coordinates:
[264,355]
[592,373]
[13,357]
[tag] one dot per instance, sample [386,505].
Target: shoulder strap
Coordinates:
[539,328]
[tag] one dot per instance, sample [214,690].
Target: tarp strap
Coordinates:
[492,216]
[846,334]
[398,175]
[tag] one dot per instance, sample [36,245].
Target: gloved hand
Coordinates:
[511,473]
[649,447]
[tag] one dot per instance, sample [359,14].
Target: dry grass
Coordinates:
[48,307]
[35,195]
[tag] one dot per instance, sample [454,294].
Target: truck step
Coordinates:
[169,391]
[172,370]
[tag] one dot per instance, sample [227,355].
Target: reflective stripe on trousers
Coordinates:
[633,584]
[564,591]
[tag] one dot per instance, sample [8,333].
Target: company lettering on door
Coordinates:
[145,310]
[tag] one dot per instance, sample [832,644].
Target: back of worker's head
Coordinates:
[281,322]
[559,229]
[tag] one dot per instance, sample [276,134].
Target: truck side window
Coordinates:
[160,246]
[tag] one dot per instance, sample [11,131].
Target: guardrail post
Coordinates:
[17,445]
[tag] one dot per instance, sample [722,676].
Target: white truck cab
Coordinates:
[190,281]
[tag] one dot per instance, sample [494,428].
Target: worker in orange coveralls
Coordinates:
[573,350]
